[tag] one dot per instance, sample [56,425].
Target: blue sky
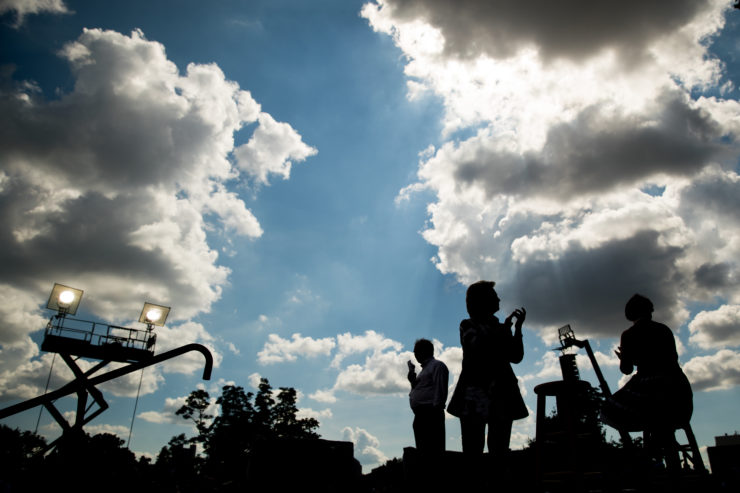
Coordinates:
[312,185]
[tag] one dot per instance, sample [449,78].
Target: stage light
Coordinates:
[64,299]
[153,314]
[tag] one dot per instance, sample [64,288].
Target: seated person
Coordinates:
[658,398]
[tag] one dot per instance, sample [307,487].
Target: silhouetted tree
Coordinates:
[102,460]
[243,420]
[263,410]
[195,410]
[20,458]
[285,424]
[177,466]
[177,447]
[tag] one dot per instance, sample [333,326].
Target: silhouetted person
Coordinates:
[658,398]
[487,392]
[428,397]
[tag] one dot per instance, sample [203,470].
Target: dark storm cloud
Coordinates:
[572,29]
[713,194]
[588,288]
[596,152]
[103,138]
[89,235]
[714,276]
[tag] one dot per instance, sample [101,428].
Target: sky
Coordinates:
[311,186]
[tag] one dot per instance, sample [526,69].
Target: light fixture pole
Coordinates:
[70,337]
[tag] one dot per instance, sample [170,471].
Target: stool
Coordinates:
[690,451]
[565,393]
[687,454]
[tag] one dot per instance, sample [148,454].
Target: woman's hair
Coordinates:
[478,297]
[638,307]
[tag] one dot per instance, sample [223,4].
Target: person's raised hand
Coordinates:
[520,314]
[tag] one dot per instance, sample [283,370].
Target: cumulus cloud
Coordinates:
[323,396]
[116,186]
[118,430]
[24,376]
[28,379]
[92,429]
[366,446]
[714,372]
[381,373]
[172,336]
[384,369]
[348,344]
[717,328]
[171,406]
[579,164]
[572,29]
[307,412]
[25,7]
[596,151]
[254,380]
[278,350]
[273,148]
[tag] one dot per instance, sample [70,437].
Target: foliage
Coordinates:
[19,445]
[195,410]
[244,419]
[177,466]
[20,457]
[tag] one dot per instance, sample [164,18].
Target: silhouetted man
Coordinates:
[428,397]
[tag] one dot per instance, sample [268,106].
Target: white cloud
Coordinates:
[307,412]
[384,368]
[717,328]
[272,149]
[326,396]
[714,372]
[550,364]
[583,361]
[168,412]
[166,415]
[452,358]
[348,344]
[25,7]
[24,377]
[28,379]
[19,313]
[118,430]
[366,446]
[566,29]
[254,380]
[587,170]
[381,373]
[133,172]
[128,385]
[278,350]
[172,336]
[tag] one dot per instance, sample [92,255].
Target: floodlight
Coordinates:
[64,299]
[153,314]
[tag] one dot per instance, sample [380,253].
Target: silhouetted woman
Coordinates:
[658,397]
[487,392]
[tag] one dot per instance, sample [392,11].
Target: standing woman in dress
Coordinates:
[487,392]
